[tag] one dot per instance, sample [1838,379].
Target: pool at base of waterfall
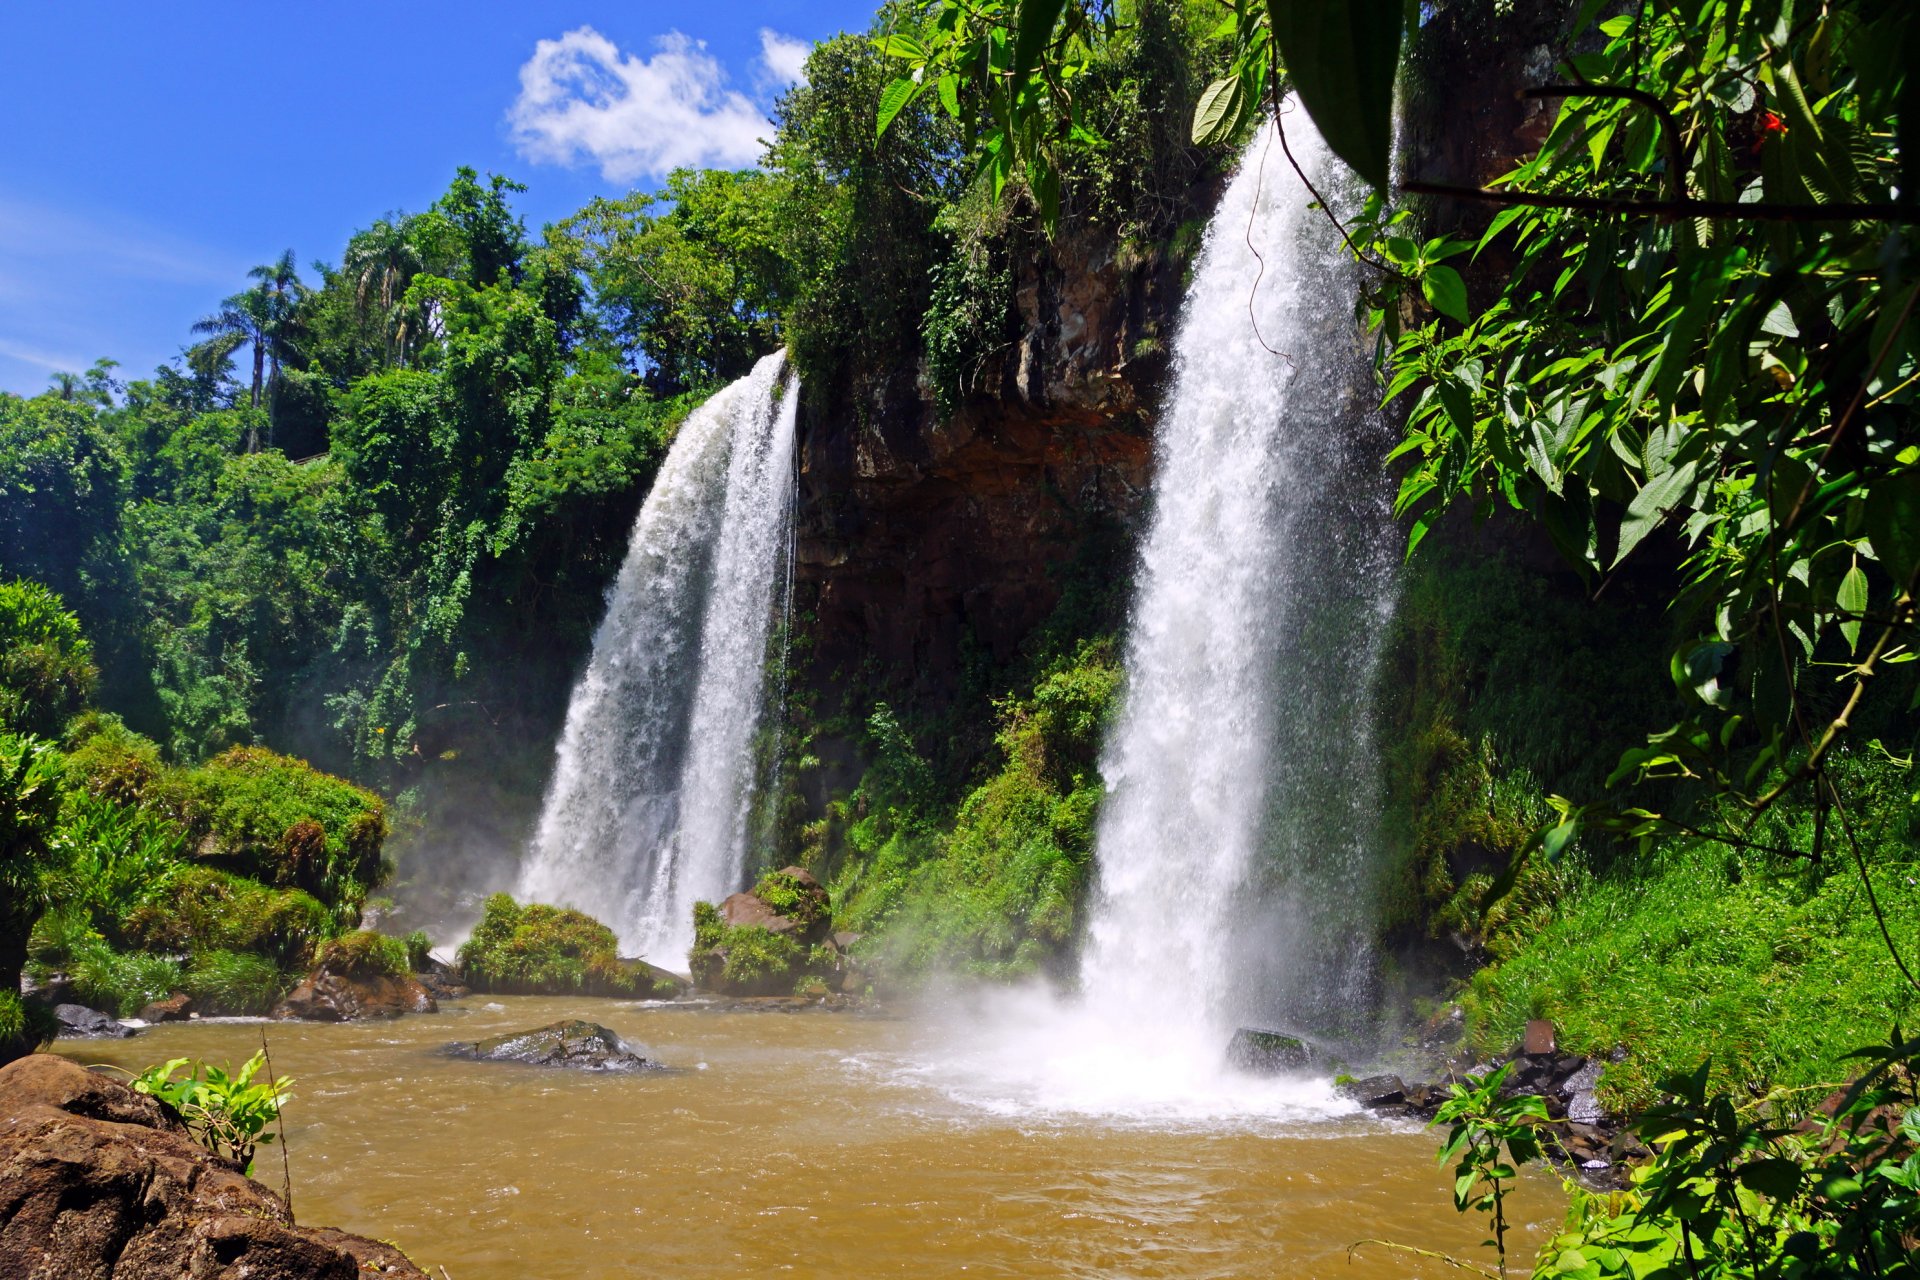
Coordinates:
[814,1143]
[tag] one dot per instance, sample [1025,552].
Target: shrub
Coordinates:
[204,909]
[419,951]
[233,983]
[800,902]
[24,1027]
[536,949]
[285,823]
[121,983]
[120,859]
[46,664]
[109,760]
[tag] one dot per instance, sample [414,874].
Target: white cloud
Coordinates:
[783,59]
[583,100]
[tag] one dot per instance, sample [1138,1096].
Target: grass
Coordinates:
[233,983]
[1773,969]
[538,949]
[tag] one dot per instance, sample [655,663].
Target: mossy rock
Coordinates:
[575,1044]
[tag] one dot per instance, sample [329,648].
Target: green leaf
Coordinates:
[1220,111]
[1342,56]
[950,94]
[1775,1178]
[1446,292]
[1893,524]
[898,46]
[893,100]
[1852,599]
[1035,27]
[1650,506]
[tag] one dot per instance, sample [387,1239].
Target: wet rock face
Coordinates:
[575,1044]
[99,1181]
[916,536]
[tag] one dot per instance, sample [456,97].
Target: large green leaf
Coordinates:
[1221,109]
[1446,292]
[1341,56]
[1036,23]
[893,100]
[1893,524]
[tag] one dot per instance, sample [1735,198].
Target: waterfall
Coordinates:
[653,777]
[1234,852]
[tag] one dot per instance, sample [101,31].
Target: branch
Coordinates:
[1903,613]
[1673,210]
[1449,1259]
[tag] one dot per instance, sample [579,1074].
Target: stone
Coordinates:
[342,990]
[1374,1091]
[845,941]
[1540,1040]
[1585,1080]
[104,1182]
[77,1022]
[1584,1108]
[177,1007]
[746,909]
[1268,1052]
[575,1044]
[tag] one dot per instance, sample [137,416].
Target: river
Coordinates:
[812,1144]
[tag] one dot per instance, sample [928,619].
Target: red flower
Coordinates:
[1770,124]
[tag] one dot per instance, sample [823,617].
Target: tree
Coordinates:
[30,771]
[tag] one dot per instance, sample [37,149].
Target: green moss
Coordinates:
[203,909]
[366,954]
[538,949]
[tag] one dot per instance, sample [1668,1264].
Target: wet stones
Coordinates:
[77,1022]
[574,1044]
[1268,1053]
[1374,1091]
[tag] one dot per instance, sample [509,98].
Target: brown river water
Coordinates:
[828,1144]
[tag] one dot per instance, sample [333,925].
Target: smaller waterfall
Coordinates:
[653,777]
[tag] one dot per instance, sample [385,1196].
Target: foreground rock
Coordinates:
[348,985]
[99,1181]
[582,1046]
[1268,1053]
[77,1022]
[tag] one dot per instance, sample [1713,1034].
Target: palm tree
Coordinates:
[281,279]
[67,385]
[263,316]
[381,262]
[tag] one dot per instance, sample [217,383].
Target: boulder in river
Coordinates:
[102,1181]
[177,1007]
[1268,1053]
[580,1045]
[355,981]
[1374,1091]
[77,1022]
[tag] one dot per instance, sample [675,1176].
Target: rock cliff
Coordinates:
[917,533]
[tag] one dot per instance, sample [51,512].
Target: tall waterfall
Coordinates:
[1235,847]
[653,780]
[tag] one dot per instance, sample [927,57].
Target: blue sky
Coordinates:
[150,154]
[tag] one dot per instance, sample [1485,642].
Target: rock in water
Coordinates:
[77,1022]
[1268,1053]
[583,1046]
[342,989]
[1374,1091]
[101,1181]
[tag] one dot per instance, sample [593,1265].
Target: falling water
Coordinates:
[1234,851]
[652,784]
